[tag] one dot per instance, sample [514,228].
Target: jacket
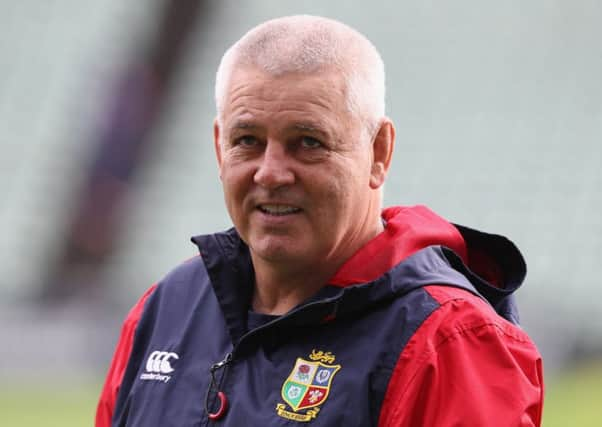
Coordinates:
[418,328]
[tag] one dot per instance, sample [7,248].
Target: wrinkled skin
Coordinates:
[300,172]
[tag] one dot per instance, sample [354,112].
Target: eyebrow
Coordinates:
[309,127]
[243,125]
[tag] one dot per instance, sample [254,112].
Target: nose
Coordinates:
[274,169]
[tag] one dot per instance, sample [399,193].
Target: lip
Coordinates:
[278,209]
[280,218]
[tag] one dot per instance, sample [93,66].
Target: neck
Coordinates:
[279,290]
[280,287]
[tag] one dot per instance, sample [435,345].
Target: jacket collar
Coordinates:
[417,248]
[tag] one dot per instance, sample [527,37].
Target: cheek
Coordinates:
[348,190]
[333,193]
[234,188]
[235,175]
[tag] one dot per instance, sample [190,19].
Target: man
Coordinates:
[319,306]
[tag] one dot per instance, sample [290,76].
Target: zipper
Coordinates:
[215,386]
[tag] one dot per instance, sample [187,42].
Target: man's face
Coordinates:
[295,166]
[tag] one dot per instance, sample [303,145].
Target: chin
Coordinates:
[277,250]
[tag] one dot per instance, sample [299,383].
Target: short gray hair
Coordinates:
[308,44]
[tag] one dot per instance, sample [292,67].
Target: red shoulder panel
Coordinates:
[106,404]
[465,366]
[408,230]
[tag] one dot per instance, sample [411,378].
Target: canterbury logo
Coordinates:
[158,364]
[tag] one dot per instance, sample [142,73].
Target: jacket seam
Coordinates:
[458,332]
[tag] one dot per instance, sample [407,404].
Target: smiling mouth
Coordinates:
[278,210]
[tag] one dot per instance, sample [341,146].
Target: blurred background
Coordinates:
[107,167]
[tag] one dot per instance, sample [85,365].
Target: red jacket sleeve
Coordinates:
[106,404]
[465,366]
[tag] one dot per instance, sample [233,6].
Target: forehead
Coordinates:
[253,95]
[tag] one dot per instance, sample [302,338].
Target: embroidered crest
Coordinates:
[307,386]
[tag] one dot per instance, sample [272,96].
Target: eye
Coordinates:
[246,141]
[309,142]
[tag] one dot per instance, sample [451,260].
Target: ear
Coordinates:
[217,146]
[382,152]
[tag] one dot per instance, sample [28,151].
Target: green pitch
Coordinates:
[62,404]
[572,399]
[575,398]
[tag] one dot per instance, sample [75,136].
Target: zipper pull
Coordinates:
[218,365]
[223,400]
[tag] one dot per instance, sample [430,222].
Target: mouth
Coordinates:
[278,209]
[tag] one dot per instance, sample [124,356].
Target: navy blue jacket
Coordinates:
[335,360]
